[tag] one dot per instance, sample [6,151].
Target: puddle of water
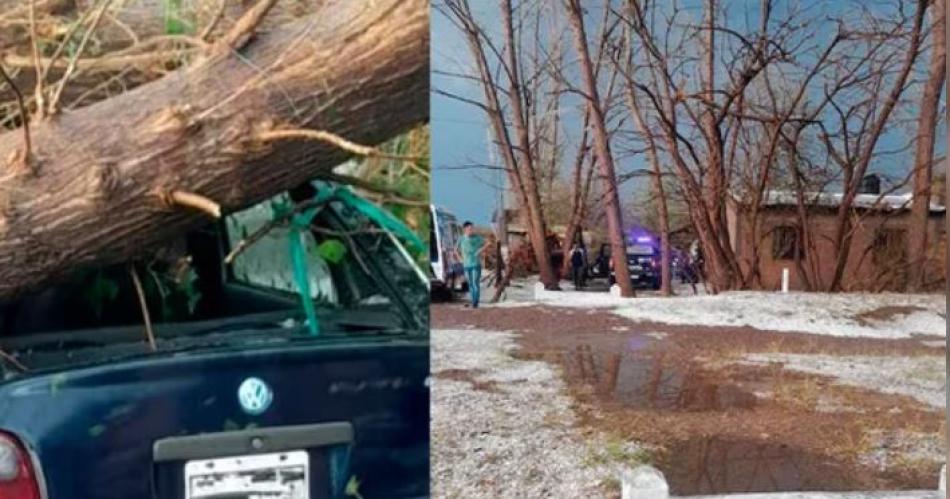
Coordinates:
[644,377]
[716,465]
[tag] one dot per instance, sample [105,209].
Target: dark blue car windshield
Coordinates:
[362,282]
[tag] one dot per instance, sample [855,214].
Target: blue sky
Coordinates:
[460,134]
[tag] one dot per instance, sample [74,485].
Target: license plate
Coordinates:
[281,475]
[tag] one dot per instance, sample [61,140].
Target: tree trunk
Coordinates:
[923,158]
[537,229]
[578,197]
[659,193]
[853,175]
[604,157]
[95,191]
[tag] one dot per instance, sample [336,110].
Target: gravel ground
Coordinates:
[509,434]
[832,314]
[923,378]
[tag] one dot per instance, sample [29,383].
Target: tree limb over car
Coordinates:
[100,175]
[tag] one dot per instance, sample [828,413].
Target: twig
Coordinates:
[125,27]
[255,236]
[206,32]
[332,139]
[243,244]
[149,335]
[24,117]
[62,46]
[72,62]
[239,33]
[38,92]
[196,201]
[119,77]
[104,64]
[12,360]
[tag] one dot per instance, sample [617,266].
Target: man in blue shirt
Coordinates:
[469,250]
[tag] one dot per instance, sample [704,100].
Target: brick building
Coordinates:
[878,258]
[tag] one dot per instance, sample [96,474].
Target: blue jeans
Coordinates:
[474,277]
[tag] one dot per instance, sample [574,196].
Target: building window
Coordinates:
[786,243]
[890,247]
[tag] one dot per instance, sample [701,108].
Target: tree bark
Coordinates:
[924,154]
[96,189]
[537,229]
[604,156]
[659,192]
[578,197]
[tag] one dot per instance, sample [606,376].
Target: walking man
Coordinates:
[469,250]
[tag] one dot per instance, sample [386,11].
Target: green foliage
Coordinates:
[353,488]
[174,22]
[408,181]
[100,292]
[173,289]
[331,251]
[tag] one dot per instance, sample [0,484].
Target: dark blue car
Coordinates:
[241,396]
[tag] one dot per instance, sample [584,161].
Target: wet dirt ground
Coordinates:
[714,424]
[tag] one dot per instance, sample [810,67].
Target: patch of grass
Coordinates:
[855,441]
[902,461]
[798,393]
[617,451]
[927,371]
[469,376]
[610,486]
[885,314]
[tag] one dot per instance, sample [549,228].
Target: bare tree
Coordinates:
[581,172]
[511,130]
[725,132]
[854,152]
[602,146]
[653,158]
[703,175]
[924,154]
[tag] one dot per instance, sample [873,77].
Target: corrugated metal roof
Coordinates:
[889,202]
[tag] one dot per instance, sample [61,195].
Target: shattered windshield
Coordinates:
[233,277]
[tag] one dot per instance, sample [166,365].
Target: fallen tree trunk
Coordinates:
[96,187]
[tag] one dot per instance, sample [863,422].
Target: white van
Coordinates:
[447,270]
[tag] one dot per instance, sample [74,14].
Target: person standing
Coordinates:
[578,262]
[469,250]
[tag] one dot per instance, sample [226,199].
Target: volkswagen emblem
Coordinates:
[255,396]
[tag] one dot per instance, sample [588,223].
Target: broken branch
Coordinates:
[24,117]
[12,360]
[195,201]
[241,31]
[332,139]
[40,106]
[149,334]
[218,15]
